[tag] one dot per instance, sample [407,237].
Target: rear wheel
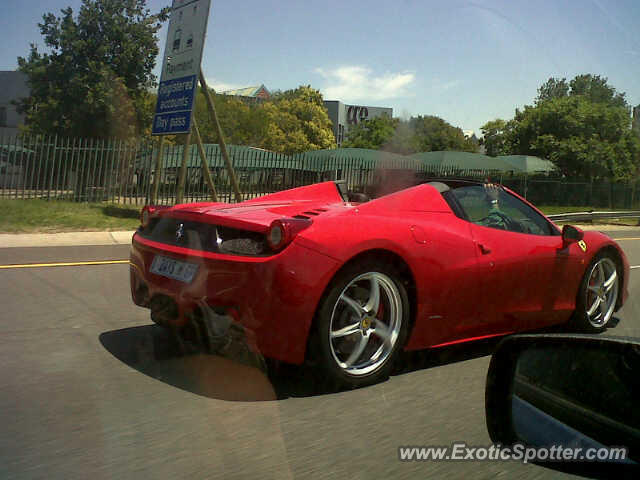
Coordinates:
[362,324]
[598,295]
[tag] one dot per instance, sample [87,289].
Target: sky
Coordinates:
[465,61]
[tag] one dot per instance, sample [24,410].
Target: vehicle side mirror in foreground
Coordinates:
[568,391]
[571,234]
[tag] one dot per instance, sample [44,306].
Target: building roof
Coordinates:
[477,161]
[527,163]
[463,160]
[246,91]
[365,158]
[249,158]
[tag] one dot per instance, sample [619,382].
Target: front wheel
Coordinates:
[362,324]
[598,295]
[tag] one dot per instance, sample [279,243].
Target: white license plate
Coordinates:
[175,269]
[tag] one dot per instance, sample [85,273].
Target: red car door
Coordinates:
[521,263]
[523,276]
[447,266]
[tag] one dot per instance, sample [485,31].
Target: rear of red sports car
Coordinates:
[239,262]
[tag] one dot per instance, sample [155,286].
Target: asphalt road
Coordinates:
[90,389]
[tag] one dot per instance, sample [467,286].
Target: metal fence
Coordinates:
[95,170]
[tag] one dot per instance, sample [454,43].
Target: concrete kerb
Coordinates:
[66,239]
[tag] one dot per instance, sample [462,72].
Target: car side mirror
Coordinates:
[571,234]
[569,392]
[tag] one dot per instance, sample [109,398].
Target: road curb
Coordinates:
[67,239]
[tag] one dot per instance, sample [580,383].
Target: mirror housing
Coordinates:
[568,390]
[571,234]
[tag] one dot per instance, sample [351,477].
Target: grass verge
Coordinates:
[40,216]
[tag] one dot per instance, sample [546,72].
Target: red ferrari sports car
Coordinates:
[348,282]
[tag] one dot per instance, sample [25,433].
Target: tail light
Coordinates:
[147,213]
[282,232]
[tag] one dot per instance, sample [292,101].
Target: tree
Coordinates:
[293,121]
[593,87]
[418,134]
[241,124]
[496,137]
[552,88]
[596,89]
[586,132]
[402,140]
[374,133]
[297,121]
[432,133]
[94,80]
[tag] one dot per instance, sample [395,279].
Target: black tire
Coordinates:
[581,321]
[393,307]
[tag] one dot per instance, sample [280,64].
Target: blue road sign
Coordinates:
[172,123]
[175,103]
[181,66]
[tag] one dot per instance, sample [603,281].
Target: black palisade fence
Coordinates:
[123,171]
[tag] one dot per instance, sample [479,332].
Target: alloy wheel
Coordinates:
[602,292]
[365,323]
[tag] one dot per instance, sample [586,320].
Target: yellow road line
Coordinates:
[66,264]
[626,238]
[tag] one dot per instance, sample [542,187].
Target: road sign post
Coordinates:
[181,66]
[206,173]
[223,147]
[178,86]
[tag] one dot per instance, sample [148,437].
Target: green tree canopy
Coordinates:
[431,134]
[418,134]
[296,121]
[375,133]
[94,80]
[595,89]
[592,87]
[580,136]
[583,126]
[496,135]
[291,122]
[552,88]
[242,124]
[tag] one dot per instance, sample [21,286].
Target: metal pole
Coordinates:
[223,147]
[156,172]
[203,161]
[182,176]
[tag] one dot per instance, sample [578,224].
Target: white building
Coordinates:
[344,116]
[13,87]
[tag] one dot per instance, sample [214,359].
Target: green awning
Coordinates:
[528,164]
[463,161]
